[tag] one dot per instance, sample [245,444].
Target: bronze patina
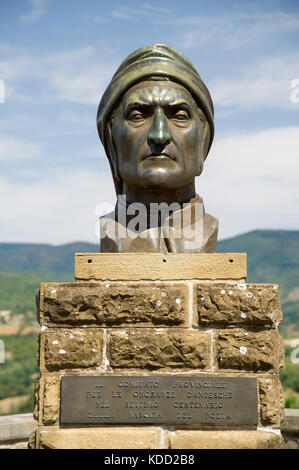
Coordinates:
[159,399]
[155,121]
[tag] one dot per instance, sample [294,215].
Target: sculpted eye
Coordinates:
[181,115]
[135,116]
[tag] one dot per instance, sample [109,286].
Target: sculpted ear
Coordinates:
[206,133]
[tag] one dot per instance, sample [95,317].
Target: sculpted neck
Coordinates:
[146,196]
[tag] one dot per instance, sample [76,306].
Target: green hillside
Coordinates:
[17,289]
[19,257]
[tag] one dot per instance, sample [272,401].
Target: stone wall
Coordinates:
[192,327]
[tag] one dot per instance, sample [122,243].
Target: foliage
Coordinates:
[17,290]
[291,400]
[24,406]
[289,374]
[18,373]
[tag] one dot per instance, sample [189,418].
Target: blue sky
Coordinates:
[57,57]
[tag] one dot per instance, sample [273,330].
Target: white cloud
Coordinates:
[56,209]
[250,181]
[74,75]
[96,19]
[84,85]
[15,150]
[234,30]
[144,10]
[263,84]
[129,14]
[38,9]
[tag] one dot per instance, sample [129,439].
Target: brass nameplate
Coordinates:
[163,399]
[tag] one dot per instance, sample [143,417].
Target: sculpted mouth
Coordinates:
[161,156]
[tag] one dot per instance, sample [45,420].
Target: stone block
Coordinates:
[271,401]
[32,440]
[246,350]
[162,266]
[114,304]
[51,399]
[71,348]
[240,304]
[227,439]
[126,437]
[157,349]
[36,399]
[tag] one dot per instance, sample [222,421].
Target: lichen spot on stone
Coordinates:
[223,291]
[107,285]
[275,287]
[163,294]
[242,286]
[158,303]
[243,350]
[249,294]
[55,341]
[177,301]
[62,351]
[53,291]
[230,292]
[243,315]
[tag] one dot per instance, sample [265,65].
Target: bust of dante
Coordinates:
[156,123]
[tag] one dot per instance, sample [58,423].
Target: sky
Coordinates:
[58,56]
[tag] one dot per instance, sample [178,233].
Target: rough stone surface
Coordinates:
[271,401]
[155,349]
[243,304]
[247,350]
[113,303]
[36,400]
[138,327]
[71,348]
[51,400]
[32,440]
[100,438]
[187,439]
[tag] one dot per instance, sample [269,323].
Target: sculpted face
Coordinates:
[157,132]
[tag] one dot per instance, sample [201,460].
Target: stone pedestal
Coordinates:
[152,315]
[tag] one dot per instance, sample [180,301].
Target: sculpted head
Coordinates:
[155,121]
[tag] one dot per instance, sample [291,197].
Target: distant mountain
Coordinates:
[19,257]
[272,257]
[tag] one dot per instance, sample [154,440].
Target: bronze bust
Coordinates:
[156,123]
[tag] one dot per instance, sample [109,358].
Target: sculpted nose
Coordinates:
[159,135]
